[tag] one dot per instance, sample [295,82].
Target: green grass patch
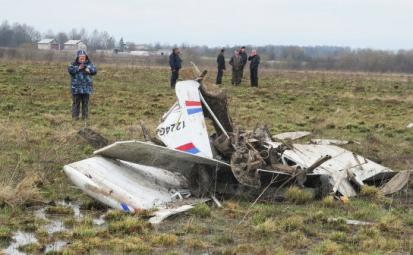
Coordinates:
[129,225]
[201,210]
[298,196]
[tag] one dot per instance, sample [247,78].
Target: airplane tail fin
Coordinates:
[183,126]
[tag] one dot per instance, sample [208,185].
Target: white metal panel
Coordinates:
[328,141]
[124,185]
[155,155]
[342,160]
[291,135]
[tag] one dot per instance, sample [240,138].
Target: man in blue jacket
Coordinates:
[81,72]
[175,62]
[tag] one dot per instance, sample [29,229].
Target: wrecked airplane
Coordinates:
[183,165]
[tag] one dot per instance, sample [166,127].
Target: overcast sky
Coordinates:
[379,24]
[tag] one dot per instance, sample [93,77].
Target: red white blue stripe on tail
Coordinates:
[188,147]
[193,107]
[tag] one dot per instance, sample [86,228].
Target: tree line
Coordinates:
[21,35]
[292,57]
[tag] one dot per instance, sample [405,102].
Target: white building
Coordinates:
[48,44]
[74,45]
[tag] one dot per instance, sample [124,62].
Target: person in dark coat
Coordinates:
[236,63]
[221,66]
[254,63]
[244,58]
[175,62]
[81,72]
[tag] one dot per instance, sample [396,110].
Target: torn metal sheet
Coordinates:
[161,214]
[157,156]
[397,183]
[328,142]
[337,167]
[291,135]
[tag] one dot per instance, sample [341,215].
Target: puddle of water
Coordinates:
[19,239]
[55,226]
[40,213]
[55,223]
[100,220]
[56,246]
[75,207]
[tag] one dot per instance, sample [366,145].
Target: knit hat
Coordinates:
[81,52]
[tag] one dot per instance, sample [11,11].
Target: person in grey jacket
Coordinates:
[254,59]
[244,58]
[236,63]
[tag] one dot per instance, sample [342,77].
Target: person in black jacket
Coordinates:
[221,66]
[244,58]
[255,62]
[175,62]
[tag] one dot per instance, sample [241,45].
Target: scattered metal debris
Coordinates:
[185,162]
[161,214]
[397,183]
[216,201]
[328,142]
[291,135]
[351,222]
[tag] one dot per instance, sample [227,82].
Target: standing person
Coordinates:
[244,58]
[175,62]
[81,72]
[221,66]
[236,63]
[255,62]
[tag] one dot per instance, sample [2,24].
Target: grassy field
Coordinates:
[38,137]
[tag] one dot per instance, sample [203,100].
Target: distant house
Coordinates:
[48,44]
[74,45]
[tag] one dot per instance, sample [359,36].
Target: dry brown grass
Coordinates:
[25,192]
